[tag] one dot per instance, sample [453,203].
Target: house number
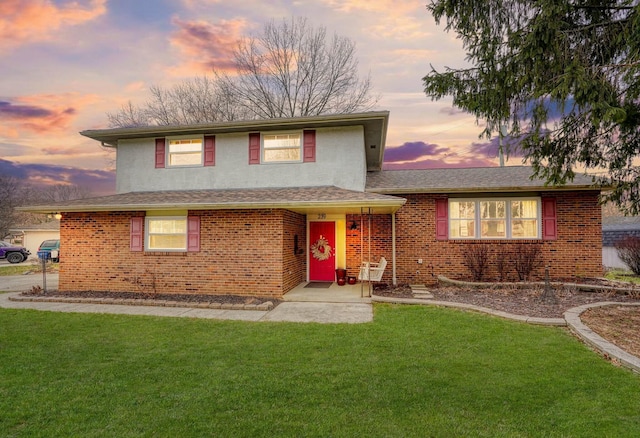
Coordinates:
[322,216]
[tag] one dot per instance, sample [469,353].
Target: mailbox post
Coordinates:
[44,256]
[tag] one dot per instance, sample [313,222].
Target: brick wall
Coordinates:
[294,268]
[577,251]
[241,252]
[358,243]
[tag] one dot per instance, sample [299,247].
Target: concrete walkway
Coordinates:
[286,312]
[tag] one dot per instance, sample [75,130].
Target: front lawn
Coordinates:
[623,275]
[414,371]
[26,267]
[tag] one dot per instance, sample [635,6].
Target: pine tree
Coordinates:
[562,75]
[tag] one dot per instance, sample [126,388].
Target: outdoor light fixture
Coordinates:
[353,226]
[57,216]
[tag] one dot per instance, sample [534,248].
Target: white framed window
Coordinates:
[495,218]
[280,148]
[166,233]
[185,151]
[462,219]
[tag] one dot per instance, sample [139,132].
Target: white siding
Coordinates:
[610,258]
[340,161]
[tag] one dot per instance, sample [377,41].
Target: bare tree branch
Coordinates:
[289,70]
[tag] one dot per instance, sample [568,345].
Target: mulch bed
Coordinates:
[617,324]
[531,301]
[182,298]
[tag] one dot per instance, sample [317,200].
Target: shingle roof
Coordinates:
[480,179]
[298,198]
[53,225]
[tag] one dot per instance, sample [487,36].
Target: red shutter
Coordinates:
[442,219]
[160,153]
[254,148]
[549,219]
[210,150]
[193,233]
[309,146]
[136,233]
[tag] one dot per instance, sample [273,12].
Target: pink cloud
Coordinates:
[27,21]
[98,182]
[207,46]
[441,163]
[40,113]
[411,151]
[510,146]
[421,155]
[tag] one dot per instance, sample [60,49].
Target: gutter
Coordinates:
[45,209]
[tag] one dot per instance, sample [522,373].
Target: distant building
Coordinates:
[32,235]
[614,229]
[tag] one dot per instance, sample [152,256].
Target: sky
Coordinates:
[65,64]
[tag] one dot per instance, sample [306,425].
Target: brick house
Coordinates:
[259,207]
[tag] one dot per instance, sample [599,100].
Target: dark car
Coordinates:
[53,246]
[13,253]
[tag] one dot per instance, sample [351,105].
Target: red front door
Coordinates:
[322,251]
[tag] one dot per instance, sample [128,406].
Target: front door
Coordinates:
[322,251]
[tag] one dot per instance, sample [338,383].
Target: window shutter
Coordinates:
[160,153]
[193,233]
[549,219]
[254,148]
[309,146]
[136,232]
[210,150]
[442,219]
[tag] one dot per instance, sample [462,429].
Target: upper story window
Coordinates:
[278,148]
[185,152]
[495,218]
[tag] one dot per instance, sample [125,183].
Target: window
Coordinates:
[494,218]
[462,219]
[166,233]
[524,219]
[281,147]
[185,152]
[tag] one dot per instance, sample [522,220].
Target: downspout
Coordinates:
[393,248]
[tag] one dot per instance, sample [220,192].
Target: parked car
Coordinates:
[52,246]
[13,253]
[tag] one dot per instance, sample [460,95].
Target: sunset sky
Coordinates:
[65,64]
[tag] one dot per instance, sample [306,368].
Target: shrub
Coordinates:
[502,259]
[628,250]
[476,259]
[526,259]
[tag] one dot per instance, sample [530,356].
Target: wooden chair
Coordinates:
[372,271]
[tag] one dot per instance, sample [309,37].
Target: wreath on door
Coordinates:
[321,250]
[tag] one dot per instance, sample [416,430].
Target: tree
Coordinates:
[563,75]
[9,199]
[197,100]
[291,69]
[15,193]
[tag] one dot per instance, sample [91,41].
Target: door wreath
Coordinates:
[321,250]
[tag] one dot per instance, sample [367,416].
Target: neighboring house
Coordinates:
[615,229]
[259,207]
[32,235]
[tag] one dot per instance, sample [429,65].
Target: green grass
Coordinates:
[622,275]
[414,371]
[28,266]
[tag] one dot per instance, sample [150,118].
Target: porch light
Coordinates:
[353,226]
